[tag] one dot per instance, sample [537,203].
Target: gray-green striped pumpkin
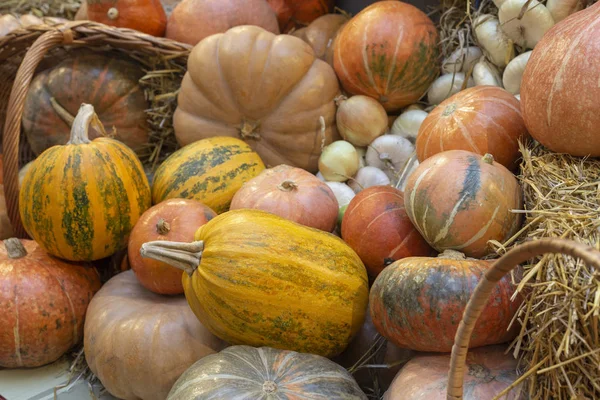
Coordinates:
[244,372]
[209,170]
[81,200]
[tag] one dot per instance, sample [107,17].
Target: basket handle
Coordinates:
[480,297]
[14,113]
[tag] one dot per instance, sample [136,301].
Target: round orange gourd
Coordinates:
[417,301]
[271,91]
[460,200]
[376,226]
[176,220]
[388,51]
[292,193]
[481,119]
[193,20]
[321,34]
[43,301]
[560,89]
[147,16]
[298,13]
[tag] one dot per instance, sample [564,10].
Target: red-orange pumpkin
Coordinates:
[388,51]
[417,302]
[297,13]
[377,228]
[560,87]
[147,16]
[481,119]
[175,220]
[488,372]
[193,20]
[460,200]
[291,193]
[43,302]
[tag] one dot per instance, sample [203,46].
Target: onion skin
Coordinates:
[361,119]
[339,161]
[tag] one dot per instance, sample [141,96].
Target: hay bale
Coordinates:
[41,8]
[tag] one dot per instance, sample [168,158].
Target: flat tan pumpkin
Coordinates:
[269,90]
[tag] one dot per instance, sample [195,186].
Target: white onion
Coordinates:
[389,153]
[408,123]
[339,161]
[342,192]
[367,177]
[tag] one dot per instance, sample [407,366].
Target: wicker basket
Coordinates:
[25,51]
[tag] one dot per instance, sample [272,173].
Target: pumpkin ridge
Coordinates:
[492,121]
[16,333]
[394,60]
[365,57]
[478,235]
[462,129]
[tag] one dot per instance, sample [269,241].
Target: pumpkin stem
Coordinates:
[112,13]
[287,186]
[185,256]
[85,117]
[450,254]
[61,112]
[340,99]
[14,248]
[162,227]
[248,130]
[488,158]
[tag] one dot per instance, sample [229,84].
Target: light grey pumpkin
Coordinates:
[249,373]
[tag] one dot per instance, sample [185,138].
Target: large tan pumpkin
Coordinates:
[138,343]
[560,90]
[269,90]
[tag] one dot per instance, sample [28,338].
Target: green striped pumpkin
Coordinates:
[209,170]
[81,200]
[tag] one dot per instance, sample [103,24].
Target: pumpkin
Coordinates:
[560,91]
[244,372]
[138,343]
[173,219]
[466,208]
[81,200]
[287,118]
[247,265]
[488,372]
[321,34]
[147,16]
[9,22]
[291,193]
[210,171]
[417,302]
[109,83]
[388,51]
[44,301]
[6,230]
[298,13]
[194,20]
[376,226]
[481,119]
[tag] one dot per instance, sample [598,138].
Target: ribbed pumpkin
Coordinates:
[321,34]
[80,201]
[460,200]
[210,171]
[417,302]
[43,302]
[560,89]
[176,220]
[481,119]
[292,193]
[388,51]
[269,90]
[255,278]
[244,372]
[297,13]
[107,82]
[147,16]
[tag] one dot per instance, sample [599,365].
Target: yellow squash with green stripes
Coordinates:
[81,200]
[209,170]
[257,279]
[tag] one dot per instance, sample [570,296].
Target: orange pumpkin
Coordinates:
[297,13]
[193,20]
[286,119]
[147,16]
[481,119]
[417,302]
[321,34]
[377,228]
[388,51]
[460,200]
[291,193]
[560,88]
[176,220]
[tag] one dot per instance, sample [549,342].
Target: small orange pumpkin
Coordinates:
[298,13]
[147,16]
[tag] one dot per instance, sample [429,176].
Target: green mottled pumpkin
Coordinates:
[81,200]
[257,279]
[209,170]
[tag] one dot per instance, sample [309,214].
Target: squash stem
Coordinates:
[287,186]
[162,227]
[86,117]
[61,112]
[14,248]
[185,256]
